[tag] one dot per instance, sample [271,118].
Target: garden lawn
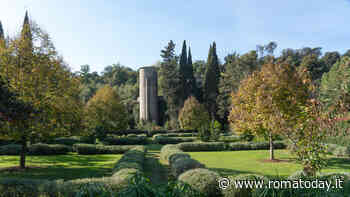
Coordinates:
[244,162]
[65,167]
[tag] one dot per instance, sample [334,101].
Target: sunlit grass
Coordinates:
[66,167]
[244,162]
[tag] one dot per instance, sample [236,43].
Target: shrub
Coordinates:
[134,158]
[36,149]
[90,149]
[150,133]
[20,187]
[233,191]
[182,164]
[232,138]
[123,140]
[171,140]
[49,149]
[11,149]
[69,141]
[202,180]
[202,146]
[236,146]
[175,135]
[168,150]
[127,132]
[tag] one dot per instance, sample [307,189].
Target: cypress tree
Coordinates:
[2,36]
[212,79]
[182,71]
[192,86]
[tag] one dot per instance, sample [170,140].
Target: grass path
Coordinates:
[154,169]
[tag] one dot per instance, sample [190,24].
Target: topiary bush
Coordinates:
[168,150]
[90,149]
[202,180]
[202,146]
[69,141]
[134,158]
[20,187]
[36,149]
[171,140]
[49,149]
[124,140]
[183,164]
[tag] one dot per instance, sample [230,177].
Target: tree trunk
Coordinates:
[272,156]
[23,153]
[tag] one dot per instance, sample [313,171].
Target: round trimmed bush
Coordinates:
[202,180]
[177,155]
[235,191]
[183,164]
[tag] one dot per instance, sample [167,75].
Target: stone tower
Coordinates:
[148,94]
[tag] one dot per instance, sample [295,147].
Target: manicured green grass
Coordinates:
[244,162]
[65,167]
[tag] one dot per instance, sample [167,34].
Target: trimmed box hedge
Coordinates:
[202,180]
[125,140]
[202,146]
[69,141]
[91,149]
[160,139]
[36,149]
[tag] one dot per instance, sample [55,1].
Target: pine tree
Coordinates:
[169,82]
[212,79]
[168,54]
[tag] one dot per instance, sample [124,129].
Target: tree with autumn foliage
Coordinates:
[39,78]
[105,112]
[268,102]
[193,115]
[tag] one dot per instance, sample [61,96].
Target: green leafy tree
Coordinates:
[236,69]
[105,112]
[212,79]
[40,79]
[193,115]
[329,59]
[335,93]
[2,35]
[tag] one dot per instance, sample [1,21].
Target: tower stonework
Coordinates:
[148,94]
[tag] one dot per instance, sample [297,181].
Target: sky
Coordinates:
[132,32]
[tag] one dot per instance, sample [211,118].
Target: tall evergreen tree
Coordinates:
[192,84]
[168,54]
[212,79]
[2,36]
[169,82]
[182,72]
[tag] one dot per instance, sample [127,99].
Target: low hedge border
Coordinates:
[161,139]
[222,146]
[125,140]
[90,149]
[78,187]
[36,149]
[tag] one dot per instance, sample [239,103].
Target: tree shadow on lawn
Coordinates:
[338,163]
[60,166]
[57,172]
